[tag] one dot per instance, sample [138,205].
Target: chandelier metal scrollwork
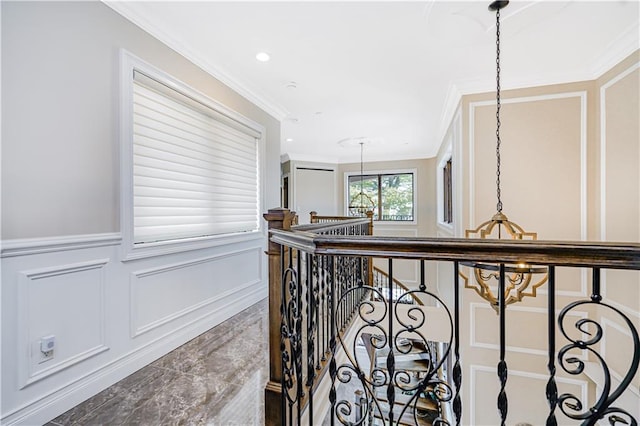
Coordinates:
[521,278]
[361,203]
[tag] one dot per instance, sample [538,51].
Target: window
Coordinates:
[392,194]
[192,164]
[447,192]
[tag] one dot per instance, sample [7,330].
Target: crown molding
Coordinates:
[310,158]
[125,10]
[618,50]
[284,158]
[451,103]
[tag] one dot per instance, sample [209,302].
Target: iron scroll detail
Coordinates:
[388,389]
[607,394]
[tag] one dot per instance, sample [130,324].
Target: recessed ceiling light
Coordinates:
[263,56]
[291,85]
[289,140]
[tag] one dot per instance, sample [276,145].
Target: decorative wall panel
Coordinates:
[162,294]
[76,320]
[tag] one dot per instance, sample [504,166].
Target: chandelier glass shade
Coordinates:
[521,279]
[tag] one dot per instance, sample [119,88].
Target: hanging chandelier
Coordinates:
[361,203]
[521,279]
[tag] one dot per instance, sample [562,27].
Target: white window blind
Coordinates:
[195,170]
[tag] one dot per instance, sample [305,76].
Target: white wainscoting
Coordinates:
[163,294]
[109,317]
[81,326]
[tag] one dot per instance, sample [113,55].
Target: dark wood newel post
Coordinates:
[277,218]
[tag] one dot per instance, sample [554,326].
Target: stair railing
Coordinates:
[302,289]
[310,266]
[399,292]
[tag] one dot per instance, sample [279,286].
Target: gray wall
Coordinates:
[62,271]
[60,144]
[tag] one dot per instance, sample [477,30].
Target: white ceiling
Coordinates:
[391,71]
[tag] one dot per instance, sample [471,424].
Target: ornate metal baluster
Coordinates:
[327,307]
[310,333]
[345,294]
[332,339]
[323,306]
[290,343]
[298,336]
[391,392]
[457,370]
[318,300]
[595,286]
[502,365]
[348,293]
[338,289]
[552,389]
[284,338]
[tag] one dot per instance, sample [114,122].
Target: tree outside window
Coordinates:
[392,195]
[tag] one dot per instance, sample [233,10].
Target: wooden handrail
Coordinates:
[558,253]
[316,218]
[326,227]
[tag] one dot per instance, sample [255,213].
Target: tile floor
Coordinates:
[218,378]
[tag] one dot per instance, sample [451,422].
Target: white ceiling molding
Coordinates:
[619,49]
[448,112]
[393,70]
[310,158]
[124,8]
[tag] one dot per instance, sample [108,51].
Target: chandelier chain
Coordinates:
[361,169]
[499,204]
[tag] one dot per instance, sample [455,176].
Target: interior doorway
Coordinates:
[315,190]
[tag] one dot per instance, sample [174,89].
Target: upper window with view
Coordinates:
[391,195]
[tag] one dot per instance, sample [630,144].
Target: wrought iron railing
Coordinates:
[316,218]
[385,366]
[303,318]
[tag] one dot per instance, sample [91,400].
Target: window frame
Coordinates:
[413,172]
[447,157]
[447,192]
[130,251]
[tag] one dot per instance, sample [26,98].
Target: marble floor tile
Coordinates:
[218,378]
